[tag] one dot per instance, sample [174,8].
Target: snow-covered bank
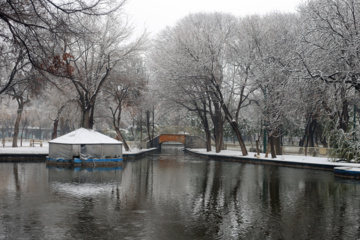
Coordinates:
[280,158]
[135,152]
[25,150]
[8,150]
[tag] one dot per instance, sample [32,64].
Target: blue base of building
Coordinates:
[84,162]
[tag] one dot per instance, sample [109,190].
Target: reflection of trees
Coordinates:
[271,202]
[84,222]
[212,196]
[278,203]
[16,178]
[22,189]
[85,199]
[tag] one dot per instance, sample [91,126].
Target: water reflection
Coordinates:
[89,182]
[173,195]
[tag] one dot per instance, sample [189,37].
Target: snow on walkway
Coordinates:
[279,158]
[24,150]
[45,149]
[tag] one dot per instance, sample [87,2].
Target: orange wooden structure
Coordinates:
[172,138]
[188,141]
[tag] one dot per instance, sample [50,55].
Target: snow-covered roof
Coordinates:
[85,136]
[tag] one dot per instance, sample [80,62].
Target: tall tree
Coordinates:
[20,90]
[36,27]
[195,52]
[124,90]
[330,56]
[275,40]
[88,61]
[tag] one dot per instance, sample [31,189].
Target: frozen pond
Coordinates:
[173,195]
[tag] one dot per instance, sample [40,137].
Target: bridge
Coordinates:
[188,141]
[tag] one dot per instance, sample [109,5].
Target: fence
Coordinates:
[7,142]
[309,151]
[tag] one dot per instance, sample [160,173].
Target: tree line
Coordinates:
[280,74]
[69,54]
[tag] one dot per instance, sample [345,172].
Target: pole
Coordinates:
[354,133]
[264,139]
[265,110]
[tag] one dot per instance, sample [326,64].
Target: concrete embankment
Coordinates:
[23,157]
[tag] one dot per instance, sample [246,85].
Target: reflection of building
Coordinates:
[85,146]
[85,181]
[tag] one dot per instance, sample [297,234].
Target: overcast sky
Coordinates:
[155,15]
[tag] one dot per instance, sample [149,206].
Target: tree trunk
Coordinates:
[86,121]
[153,123]
[218,127]
[141,130]
[344,117]
[148,128]
[277,142]
[55,127]
[21,136]
[203,116]
[257,147]
[219,141]
[272,147]
[56,121]
[206,129]
[235,127]
[208,140]
[312,133]
[308,138]
[40,132]
[267,149]
[3,135]
[120,136]
[17,126]
[91,119]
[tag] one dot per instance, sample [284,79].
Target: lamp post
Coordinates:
[265,116]
[354,133]
[264,138]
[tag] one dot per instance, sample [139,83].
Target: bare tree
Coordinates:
[20,89]
[330,56]
[124,90]
[36,27]
[196,49]
[88,61]
[275,42]
[331,37]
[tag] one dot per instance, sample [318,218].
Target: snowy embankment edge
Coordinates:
[41,151]
[281,160]
[138,153]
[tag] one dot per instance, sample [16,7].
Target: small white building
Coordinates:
[85,146]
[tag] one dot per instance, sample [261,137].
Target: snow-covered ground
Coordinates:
[26,149]
[280,158]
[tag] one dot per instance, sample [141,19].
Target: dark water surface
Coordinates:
[173,195]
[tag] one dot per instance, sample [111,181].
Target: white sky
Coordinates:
[155,15]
